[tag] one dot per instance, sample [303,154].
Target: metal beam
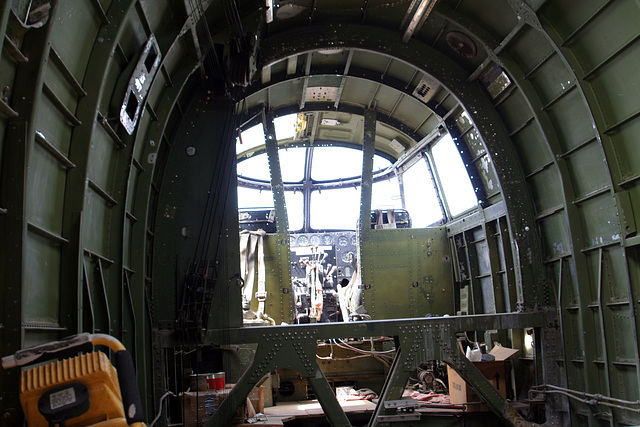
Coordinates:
[294,347]
[147,144]
[371,328]
[277,185]
[416,15]
[368,150]
[20,133]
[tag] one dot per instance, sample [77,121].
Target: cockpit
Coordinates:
[318,162]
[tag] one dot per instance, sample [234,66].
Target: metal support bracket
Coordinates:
[420,340]
[292,350]
[438,342]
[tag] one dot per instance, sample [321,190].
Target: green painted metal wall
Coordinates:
[81,205]
[407,273]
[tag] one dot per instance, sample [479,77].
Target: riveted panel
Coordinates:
[400,71]
[617,91]
[415,260]
[406,109]
[176,55]
[627,156]
[52,125]
[96,212]
[568,115]
[614,276]
[370,61]
[530,48]
[358,90]
[74,19]
[134,35]
[515,111]
[597,41]
[552,80]
[622,328]
[158,13]
[500,23]
[588,170]
[103,161]
[60,85]
[277,259]
[540,183]
[532,148]
[599,214]
[624,378]
[283,94]
[555,235]
[45,185]
[40,298]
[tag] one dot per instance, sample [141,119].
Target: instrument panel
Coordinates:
[341,246]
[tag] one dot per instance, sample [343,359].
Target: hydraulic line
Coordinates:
[358,350]
[587,398]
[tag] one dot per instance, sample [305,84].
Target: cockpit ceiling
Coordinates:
[333,88]
[338,128]
[327,68]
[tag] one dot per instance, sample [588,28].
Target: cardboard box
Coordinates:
[461,393]
[257,399]
[200,406]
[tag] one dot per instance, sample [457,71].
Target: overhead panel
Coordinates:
[402,72]
[321,94]
[358,91]
[409,111]
[370,61]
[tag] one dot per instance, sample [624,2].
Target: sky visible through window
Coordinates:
[339,208]
[455,180]
[420,196]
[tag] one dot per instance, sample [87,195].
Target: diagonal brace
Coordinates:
[276,350]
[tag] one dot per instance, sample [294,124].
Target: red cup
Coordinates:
[211,382]
[218,381]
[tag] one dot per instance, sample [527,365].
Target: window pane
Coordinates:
[251,138]
[292,163]
[253,198]
[386,195]
[335,162]
[379,163]
[295,209]
[285,126]
[335,209]
[256,167]
[420,196]
[456,184]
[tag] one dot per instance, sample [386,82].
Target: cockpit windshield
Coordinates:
[322,179]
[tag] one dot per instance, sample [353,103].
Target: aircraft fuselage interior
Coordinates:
[320,212]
